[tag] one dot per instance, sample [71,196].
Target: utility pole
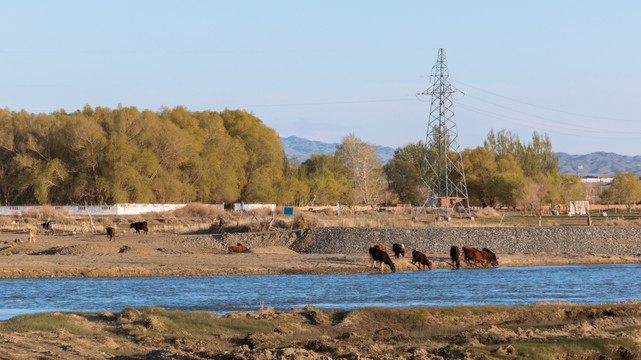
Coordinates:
[442,184]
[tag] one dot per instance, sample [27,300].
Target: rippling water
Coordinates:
[221,294]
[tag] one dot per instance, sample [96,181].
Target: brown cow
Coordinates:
[239,248]
[32,235]
[490,257]
[380,247]
[111,232]
[378,255]
[421,259]
[473,256]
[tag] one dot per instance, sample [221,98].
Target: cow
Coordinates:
[49,225]
[378,255]
[455,254]
[420,260]
[473,256]
[399,250]
[239,248]
[111,232]
[139,226]
[32,235]
[490,257]
[380,247]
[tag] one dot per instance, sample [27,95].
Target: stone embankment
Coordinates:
[574,240]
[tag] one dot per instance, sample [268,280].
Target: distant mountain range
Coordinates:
[597,163]
[302,149]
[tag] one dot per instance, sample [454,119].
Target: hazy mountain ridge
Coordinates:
[596,163]
[302,149]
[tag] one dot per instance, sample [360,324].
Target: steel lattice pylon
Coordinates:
[442,184]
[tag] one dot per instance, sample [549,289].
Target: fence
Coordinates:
[117,209]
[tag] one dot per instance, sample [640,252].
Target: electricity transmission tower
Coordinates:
[442,184]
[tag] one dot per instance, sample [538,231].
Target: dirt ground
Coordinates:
[166,254]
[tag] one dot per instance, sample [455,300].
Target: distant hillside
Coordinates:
[598,163]
[302,149]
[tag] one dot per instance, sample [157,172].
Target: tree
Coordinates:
[480,168]
[402,179]
[327,180]
[364,167]
[625,189]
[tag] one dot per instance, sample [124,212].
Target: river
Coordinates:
[587,284]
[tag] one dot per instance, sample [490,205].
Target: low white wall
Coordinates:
[117,209]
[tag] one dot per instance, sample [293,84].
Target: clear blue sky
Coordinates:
[322,69]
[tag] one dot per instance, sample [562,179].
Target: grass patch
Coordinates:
[70,322]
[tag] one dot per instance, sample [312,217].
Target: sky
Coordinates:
[323,69]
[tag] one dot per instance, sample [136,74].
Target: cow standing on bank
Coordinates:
[378,255]
[473,256]
[139,226]
[399,250]
[455,254]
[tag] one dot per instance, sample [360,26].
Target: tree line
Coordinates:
[105,156]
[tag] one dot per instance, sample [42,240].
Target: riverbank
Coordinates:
[536,331]
[165,254]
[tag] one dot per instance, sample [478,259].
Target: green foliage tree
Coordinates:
[480,167]
[625,189]
[327,180]
[103,155]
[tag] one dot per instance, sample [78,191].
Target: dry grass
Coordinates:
[198,210]
[486,213]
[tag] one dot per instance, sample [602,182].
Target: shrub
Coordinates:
[305,222]
[47,212]
[198,210]
[486,212]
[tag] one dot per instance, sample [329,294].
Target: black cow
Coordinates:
[49,225]
[489,257]
[399,250]
[139,226]
[377,255]
[421,259]
[455,254]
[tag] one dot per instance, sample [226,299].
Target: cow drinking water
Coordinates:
[378,255]
[489,257]
[473,256]
[420,260]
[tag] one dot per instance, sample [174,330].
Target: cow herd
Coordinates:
[473,257]
[50,227]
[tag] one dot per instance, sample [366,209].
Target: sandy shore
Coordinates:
[163,254]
